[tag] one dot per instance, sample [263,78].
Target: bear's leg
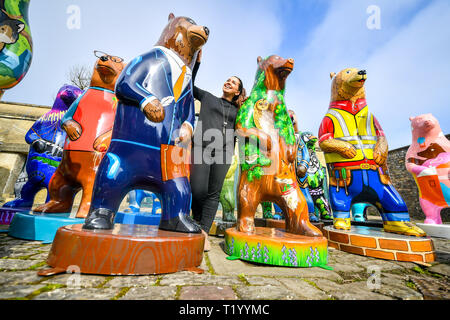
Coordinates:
[432,212]
[112,183]
[340,204]
[87,180]
[295,208]
[62,192]
[176,203]
[394,211]
[249,197]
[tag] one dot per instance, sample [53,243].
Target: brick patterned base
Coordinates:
[374,242]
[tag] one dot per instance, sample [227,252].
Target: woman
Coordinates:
[213,148]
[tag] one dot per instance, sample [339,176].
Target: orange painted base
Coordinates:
[125,250]
[374,242]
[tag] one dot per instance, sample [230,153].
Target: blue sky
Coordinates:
[407,59]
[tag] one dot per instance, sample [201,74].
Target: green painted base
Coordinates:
[276,247]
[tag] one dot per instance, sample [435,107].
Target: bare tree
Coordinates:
[80,76]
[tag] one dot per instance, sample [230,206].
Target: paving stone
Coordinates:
[262,281]
[304,289]
[40,256]
[189,278]
[404,264]
[326,285]
[16,264]
[442,269]
[399,292]
[18,291]
[79,294]
[222,266]
[384,265]
[132,281]
[19,277]
[264,293]
[441,244]
[345,267]
[76,280]
[150,293]
[352,291]
[207,293]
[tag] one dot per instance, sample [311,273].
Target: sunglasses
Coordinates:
[101,54]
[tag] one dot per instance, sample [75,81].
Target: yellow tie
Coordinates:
[179,84]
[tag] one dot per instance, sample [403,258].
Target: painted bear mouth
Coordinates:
[284,71]
[197,38]
[103,69]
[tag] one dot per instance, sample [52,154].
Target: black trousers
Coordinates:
[207,177]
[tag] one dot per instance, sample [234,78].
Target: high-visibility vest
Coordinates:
[358,129]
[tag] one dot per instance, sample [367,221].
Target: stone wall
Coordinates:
[15,120]
[405,184]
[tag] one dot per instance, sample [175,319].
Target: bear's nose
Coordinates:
[206,30]
[104,58]
[362,72]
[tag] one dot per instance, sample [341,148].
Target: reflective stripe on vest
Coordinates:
[358,129]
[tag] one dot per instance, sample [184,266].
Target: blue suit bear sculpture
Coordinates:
[153,126]
[46,140]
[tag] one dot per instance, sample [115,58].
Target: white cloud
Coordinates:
[401,61]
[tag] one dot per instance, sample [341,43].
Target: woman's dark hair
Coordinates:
[239,99]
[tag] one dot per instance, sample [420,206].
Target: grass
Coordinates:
[122,292]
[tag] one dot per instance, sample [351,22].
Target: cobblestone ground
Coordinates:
[228,280]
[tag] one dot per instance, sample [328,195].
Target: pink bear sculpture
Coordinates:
[428,160]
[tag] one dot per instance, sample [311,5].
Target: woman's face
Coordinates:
[231,86]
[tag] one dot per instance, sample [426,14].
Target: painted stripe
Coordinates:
[136,143]
[341,121]
[395,216]
[102,89]
[133,64]
[341,214]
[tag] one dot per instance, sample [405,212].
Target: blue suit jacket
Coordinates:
[150,75]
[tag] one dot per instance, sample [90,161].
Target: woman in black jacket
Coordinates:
[213,147]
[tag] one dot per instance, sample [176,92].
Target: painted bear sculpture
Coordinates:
[226,198]
[16,45]
[268,151]
[317,178]
[428,160]
[46,139]
[88,124]
[153,127]
[356,150]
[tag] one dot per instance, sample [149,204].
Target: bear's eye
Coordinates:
[348,71]
[191,21]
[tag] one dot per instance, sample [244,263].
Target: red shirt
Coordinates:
[95,113]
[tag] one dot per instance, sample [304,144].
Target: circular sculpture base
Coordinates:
[276,247]
[124,250]
[30,225]
[147,218]
[7,214]
[376,243]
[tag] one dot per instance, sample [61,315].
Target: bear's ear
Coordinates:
[259,59]
[411,118]
[332,74]
[171,16]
